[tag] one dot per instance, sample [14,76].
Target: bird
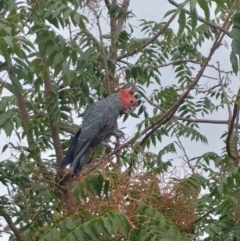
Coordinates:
[98,125]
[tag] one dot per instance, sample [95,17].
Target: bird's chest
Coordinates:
[108,129]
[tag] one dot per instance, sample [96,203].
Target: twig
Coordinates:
[207,90]
[193,62]
[224,93]
[125,62]
[209,77]
[184,151]
[205,215]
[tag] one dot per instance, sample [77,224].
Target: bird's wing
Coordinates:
[70,153]
[94,121]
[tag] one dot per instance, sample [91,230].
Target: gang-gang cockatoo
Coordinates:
[98,125]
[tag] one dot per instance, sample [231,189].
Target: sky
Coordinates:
[154,10]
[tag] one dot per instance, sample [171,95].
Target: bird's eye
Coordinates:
[131,101]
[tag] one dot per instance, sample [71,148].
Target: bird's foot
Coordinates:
[75,177]
[119,134]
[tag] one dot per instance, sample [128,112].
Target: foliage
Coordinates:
[54,66]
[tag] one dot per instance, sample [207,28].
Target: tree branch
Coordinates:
[23,113]
[114,35]
[210,121]
[225,94]
[205,215]
[183,149]
[231,127]
[203,20]
[13,227]
[68,200]
[53,128]
[194,62]
[169,114]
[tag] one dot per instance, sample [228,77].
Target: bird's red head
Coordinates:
[127,98]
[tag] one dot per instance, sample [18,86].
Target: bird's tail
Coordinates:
[70,154]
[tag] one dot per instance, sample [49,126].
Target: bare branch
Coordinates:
[207,90]
[194,62]
[184,150]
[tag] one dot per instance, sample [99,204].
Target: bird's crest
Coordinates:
[126,95]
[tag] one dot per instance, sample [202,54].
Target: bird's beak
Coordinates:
[132,108]
[129,110]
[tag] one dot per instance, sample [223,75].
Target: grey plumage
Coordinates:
[98,124]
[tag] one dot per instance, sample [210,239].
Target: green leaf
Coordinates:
[4,148]
[234,62]
[25,41]
[50,9]
[69,223]
[8,128]
[204,6]
[235,33]
[8,40]
[57,11]
[91,232]
[3,66]
[194,19]
[107,224]
[182,22]
[193,5]
[71,237]
[11,5]
[5,117]
[114,10]
[79,234]
[16,83]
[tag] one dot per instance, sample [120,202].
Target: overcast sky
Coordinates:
[154,10]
